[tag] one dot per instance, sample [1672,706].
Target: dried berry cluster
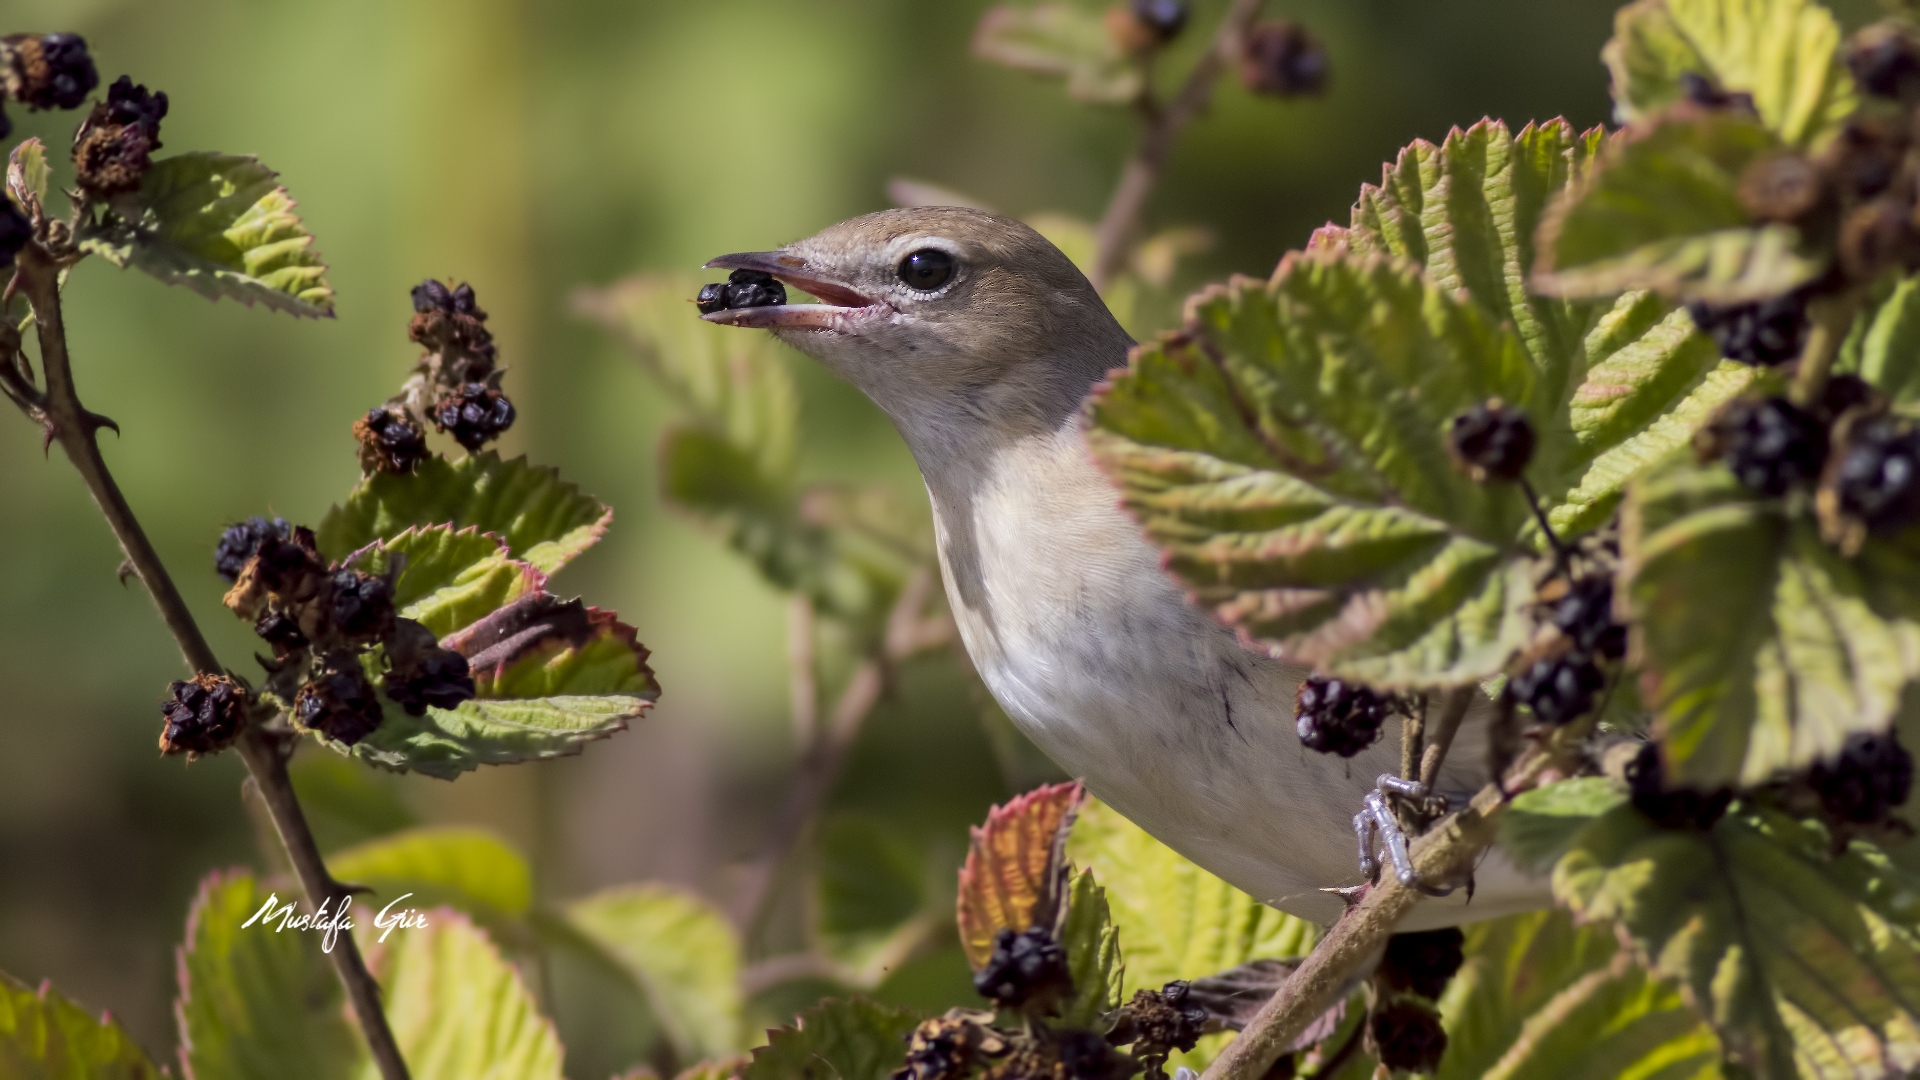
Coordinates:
[1029,966]
[455,386]
[1406,1034]
[1158,1022]
[113,148]
[742,289]
[1280,58]
[323,623]
[1339,716]
[202,715]
[45,71]
[949,1047]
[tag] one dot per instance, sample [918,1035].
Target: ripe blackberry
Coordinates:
[49,71]
[448,321]
[1671,808]
[1491,442]
[1702,91]
[1770,444]
[441,678]
[280,631]
[1334,716]
[15,231]
[129,103]
[432,295]
[1867,780]
[712,297]
[1885,61]
[1762,333]
[1423,962]
[203,715]
[465,303]
[339,703]
[751,288]
[474,415]
[1157,1022]
[241,542]
[1877,481]
[1585,614]
[1560,689]
[113,149]
[359,605]
[1163,18]
[390,442]
[1407,1035]
[1024,967]
[1280,58]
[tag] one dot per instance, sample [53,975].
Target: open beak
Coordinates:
[837,301]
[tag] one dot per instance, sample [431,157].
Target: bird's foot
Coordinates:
[1377,824]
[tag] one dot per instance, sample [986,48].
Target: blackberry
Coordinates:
[1704,92]
[1086,1056]
[1163,18]
[390,442]
[50,71]
[1843,393]
[448,320]
[339,703]
[15,231]
[131,104]
[1885,61]
[751,288]
[1334,716]
[1024,967]
[441,678]
[712,298]
[474,414]
[114,148]
[203,715]
[1423,962]
[241,542]
[1560,689]
[1585,615]
[1867,780]
[359,605]
[1671,808]
[1491,442]
[1770,444]
[1877,481]
[1762,333]
[280,631]
[431,295]
[1407,1035]
[465,303]
[1280,58]
[1157,1022]
[1864,161]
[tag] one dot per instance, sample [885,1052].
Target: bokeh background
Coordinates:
[532,148]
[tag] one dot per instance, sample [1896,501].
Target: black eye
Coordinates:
[926,269]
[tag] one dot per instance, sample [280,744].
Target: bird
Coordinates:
[981,341]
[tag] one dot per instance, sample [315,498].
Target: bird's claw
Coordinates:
[1377,824]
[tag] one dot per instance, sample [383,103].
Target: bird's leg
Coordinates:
[1377,819]
[1363,830]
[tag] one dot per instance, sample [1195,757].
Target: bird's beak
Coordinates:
[838,300]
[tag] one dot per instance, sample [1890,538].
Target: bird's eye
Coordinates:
[926,269]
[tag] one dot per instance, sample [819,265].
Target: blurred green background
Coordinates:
[531,149]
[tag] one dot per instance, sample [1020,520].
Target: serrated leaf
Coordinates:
[27,175]
[449,578]
[680,953]
[1885,348]
[1541,998]
[1540,823]
[1761,649]
[1060,40]
[836,1040]
[544,520]
[1093,954]
[445,743]
[253,1001]
[221,225]
[458,1010]
[469,869]
[540,646]
[1662,211]
[1783,53]
[43,1036]
[1786,950]
[1015,874]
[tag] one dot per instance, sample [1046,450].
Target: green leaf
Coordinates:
[1662,211]
[449,578]
[544,520]
[1761,647]
[836,1040]
[1093,954]
[27,175]
[1540,824]
[873,900]
[221,225]
[445,743]
[43,1036]
[1541,998]
[345,802]
[255,1001]
[680,953]
[1060,40]
[1885,348]
[1784,53]
[1176,920]
[458,1010]
[1786,949]
[465,868]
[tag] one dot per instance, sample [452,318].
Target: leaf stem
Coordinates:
[1832,320]
[68,422]
[1162,129]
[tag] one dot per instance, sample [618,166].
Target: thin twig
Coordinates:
[1413,730]
[1439,737]
[802,683]
[1163,127]
[75,428]
[1832,319]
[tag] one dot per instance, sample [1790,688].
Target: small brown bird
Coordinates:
[980,340]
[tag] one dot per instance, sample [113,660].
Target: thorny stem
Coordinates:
[1163,127]
[1832,319]
[1356,939]
[74,427]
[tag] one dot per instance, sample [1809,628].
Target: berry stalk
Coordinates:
[67,421]
[1832,319]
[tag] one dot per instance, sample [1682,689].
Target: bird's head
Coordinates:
[941,315]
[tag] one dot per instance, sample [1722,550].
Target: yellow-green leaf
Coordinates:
[43,1036]
[458,1010]
[682,956]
